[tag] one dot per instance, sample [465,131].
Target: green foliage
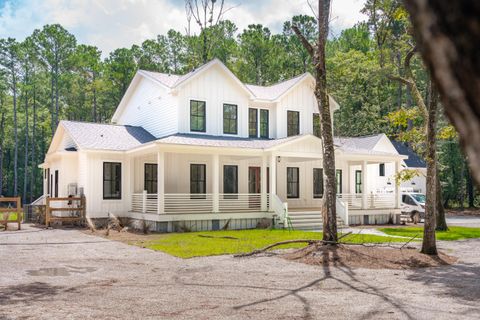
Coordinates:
[406,175]
[453,233]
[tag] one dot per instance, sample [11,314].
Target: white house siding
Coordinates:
[215,88]
[152,107]
[97,207]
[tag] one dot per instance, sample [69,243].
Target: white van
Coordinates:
[413,204]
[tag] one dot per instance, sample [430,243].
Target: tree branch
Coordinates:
[307,45]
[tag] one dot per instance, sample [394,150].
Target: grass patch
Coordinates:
[454,233]
[11,217]
[195,244]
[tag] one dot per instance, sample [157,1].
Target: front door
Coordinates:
[230,181]
[254,187]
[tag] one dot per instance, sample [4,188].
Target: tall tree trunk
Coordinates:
[15,130]
[25,163]
[429,243]
[441,220]
[94,99]
[470,188]
[317,52]
[2,135]
[448,37]
[33,162]
[52,101]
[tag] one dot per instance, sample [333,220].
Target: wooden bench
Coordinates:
[6,212]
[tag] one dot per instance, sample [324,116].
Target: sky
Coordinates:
[111,24]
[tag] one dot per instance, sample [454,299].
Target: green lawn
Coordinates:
[192,244]
[454,233]
[11,217]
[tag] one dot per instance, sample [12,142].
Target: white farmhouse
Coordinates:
[199,150]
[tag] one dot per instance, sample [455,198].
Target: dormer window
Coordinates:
[230,119]
[252,123]
[197,116]
[264,124]
[293,123]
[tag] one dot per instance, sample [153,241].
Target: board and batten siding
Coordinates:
[214,87]
[152,107]
[302,99]
[97,207]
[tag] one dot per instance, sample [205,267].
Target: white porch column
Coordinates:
[398,194]
[216,182]
[263,183]
[273,176]
[364,184]
[160,182]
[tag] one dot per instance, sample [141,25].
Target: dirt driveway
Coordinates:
[66,274]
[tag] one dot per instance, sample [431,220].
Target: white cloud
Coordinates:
[110,24]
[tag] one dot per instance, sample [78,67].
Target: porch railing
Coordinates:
[198,203]
[355,201]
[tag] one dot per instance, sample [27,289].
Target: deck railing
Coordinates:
[356,201]
[198,203]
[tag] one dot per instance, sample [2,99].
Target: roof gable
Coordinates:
[414,160]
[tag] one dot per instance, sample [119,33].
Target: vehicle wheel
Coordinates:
[415,217]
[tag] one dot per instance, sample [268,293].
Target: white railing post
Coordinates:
[144,201]
[216,183]
[160,182]
[263,183]
[364,185]
[273,177]
[398,195]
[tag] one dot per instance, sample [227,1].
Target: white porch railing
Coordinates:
[279,208]
[381,200]
[342,211]
[354,201]
[198,203]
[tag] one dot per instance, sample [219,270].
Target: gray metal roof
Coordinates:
[106,136]
[222,141]
[414,160]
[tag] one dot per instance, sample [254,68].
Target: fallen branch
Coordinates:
[409,240]
[223,237]
[254,252]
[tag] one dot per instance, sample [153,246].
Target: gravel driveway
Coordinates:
[66,274]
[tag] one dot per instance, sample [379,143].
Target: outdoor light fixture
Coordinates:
[279,159]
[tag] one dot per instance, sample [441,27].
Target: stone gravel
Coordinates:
[67,274]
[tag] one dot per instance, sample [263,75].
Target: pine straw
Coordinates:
[368,257]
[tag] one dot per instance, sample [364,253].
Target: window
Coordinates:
[358,181]
[56,183]
[264,124]
[381,169]
[252,123]
[317,183]
[292,182]
[230,118]
[198,182]
[293,123]
[197,116]
[230,179]
[150,178]
[316,125]
[48,182]
[338,180]
[112,180]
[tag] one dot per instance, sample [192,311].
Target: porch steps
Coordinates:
[309,220]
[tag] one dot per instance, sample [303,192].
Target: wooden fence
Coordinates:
[6,212]
[76,207]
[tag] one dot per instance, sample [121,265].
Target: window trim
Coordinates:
[358,182]
[204,129]
[267,124]
[250,123]
[297,183]
[198,195]
[119,197]
[322,187]
[230,119]
[155,177]
[289,123]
